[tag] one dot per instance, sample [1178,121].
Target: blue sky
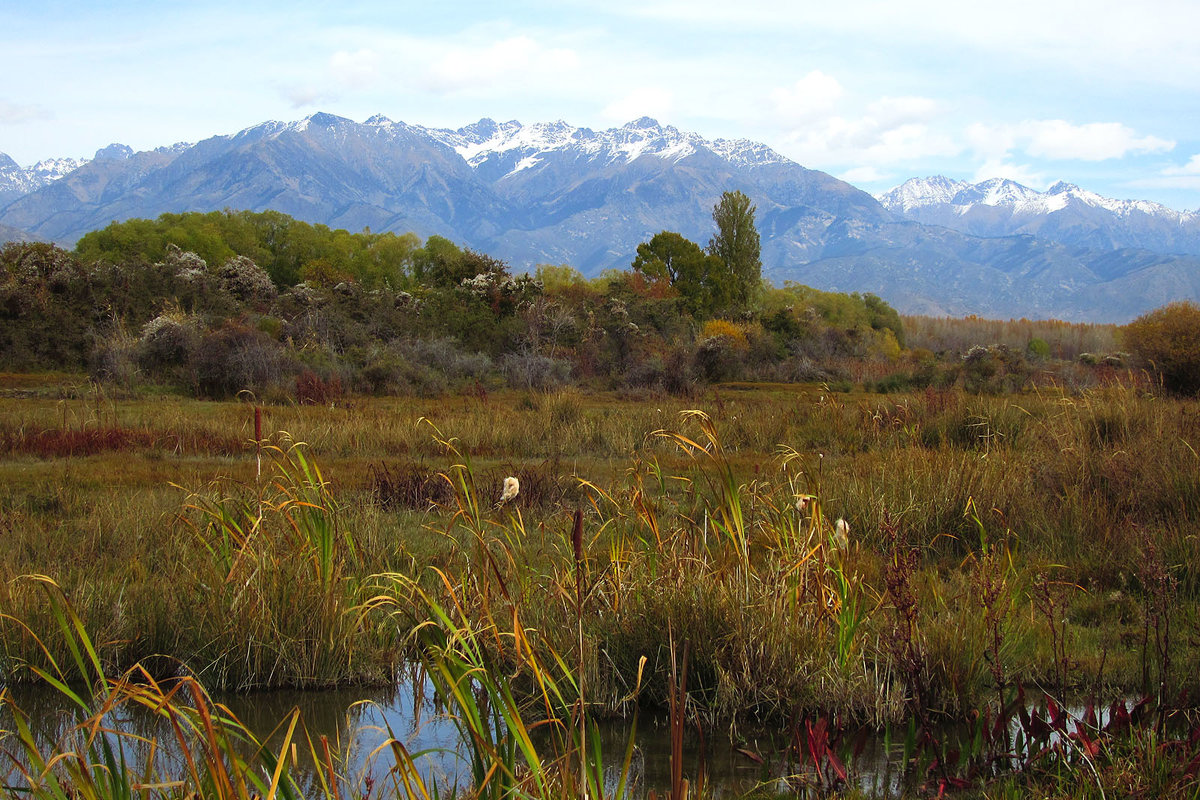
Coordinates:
[1102,94]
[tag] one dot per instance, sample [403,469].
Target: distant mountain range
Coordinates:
[555,193]
[1063,213]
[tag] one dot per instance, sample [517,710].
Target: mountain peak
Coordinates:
[323,119]
[1062,187]
[641,124]
[114,152]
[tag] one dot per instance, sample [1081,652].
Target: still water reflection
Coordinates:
[357,722]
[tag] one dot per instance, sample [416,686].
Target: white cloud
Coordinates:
[1192,167]
[894,111]
[1151,40]
[1094,141]
[17,113]
[812,96]
[1186,176]
[303,96]
[466,68]
[355,69]
[822,128]
[866,141]
[991,141]
[646,101]
[1061,140]
[859,175]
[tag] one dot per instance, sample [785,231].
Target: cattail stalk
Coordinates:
[258,439]
[577,546]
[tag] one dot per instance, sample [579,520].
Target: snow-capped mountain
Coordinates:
[556,193]
[1063,213]
[491,147]
[15,181]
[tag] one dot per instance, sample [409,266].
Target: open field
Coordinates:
[1040,539]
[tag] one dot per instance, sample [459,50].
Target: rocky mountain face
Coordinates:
[15,181]
[1063,213]
[555,193]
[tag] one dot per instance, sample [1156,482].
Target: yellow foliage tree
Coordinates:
[1167,341]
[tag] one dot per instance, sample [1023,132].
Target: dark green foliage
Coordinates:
[736,243]
[379,314]
[717,359]
[1038,348]
[44,315]
[439,263]
[1167,341]
[882,316]
[704,282]
[994,369]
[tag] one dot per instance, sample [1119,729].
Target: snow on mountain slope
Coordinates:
[939,191]
[15,181]
[523,146]
[1063,213]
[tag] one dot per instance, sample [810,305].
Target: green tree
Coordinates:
[703,281]
[557,278]
[882,316]
[736,243]
[1167,340]
[440,263]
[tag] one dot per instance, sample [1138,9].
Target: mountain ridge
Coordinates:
[556,193]
[1063,213]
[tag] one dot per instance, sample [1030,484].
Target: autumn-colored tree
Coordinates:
[1167,341]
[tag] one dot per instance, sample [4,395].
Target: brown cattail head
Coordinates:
[257,424]
[577,536]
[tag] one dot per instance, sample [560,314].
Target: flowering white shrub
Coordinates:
[245,280]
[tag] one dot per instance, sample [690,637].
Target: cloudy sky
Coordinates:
[1098,93]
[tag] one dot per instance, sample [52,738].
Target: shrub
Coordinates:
[446,356]
[389,371]
[168,342]
[312,389]
[1038,348]
[113,360]
[719,358]
[237,357]
[679,378]
[246,281]
[1167,341]
[530,371]
[722,327]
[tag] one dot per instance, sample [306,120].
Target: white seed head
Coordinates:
[841,534]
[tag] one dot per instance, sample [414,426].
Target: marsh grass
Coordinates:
[993,542]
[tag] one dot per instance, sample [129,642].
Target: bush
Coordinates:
[168,342]
[446,356]
[235,358]
[719,358]
[246,281]
[312,389]
[113,361]
[1167,341]
[389,370]
[529,371]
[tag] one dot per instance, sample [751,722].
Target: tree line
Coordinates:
[215,303]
